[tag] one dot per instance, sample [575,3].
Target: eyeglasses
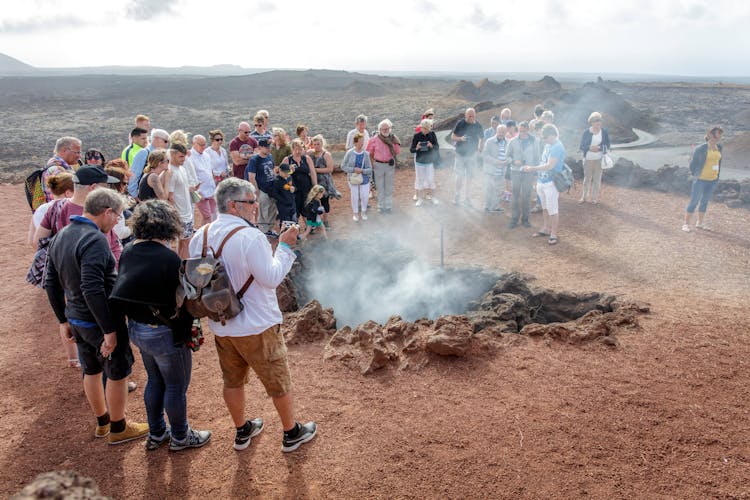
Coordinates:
[75,152]
[119,216]
[258,124]
[249,202]
[244,131]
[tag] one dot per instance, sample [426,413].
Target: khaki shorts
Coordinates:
[265,353]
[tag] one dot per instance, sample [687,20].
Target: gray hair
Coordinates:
[101,199]
[231,189]
[66,142]
[360,119]
[549,130]
[385,122]
[160,133]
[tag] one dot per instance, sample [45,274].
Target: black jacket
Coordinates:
[148,277]
[586,141]
[80,274]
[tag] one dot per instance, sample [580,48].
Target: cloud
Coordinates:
[556,10]
[144,10]
[265,7]
[485,22]
[35,24]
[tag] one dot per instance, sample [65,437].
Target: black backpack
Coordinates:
[34,189]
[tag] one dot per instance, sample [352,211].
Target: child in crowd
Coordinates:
[314,210]
[282,190]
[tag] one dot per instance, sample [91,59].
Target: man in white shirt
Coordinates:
[179,189]
[253,338]
[204,176]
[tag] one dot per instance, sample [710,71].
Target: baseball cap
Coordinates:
[93,174]
[285,167]
[263,142]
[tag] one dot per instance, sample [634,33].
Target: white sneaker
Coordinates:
[364,216]
[686,228]
[355,218]
[703,226]
[419,202]
[435,201]
[415,197]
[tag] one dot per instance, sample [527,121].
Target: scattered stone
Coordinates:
[309,324]
[452,336]
[59,485]
[287,297]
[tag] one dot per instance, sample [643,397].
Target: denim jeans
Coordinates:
[168,366]
[702,191]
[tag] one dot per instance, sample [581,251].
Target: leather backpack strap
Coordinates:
[204,252]
[245,286]
[231,233]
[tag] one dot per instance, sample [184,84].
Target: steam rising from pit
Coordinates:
[374,279]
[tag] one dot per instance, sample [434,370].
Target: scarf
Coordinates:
[389,141]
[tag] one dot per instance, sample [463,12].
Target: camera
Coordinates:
[286,224]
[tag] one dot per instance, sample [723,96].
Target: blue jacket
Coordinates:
[699,159]
[586,141]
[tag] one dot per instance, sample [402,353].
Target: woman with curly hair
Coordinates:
[144,292]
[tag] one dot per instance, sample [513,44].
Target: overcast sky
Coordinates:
[679,37]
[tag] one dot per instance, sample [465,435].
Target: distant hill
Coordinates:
[12,66]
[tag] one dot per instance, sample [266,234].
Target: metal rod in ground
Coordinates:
[442,246]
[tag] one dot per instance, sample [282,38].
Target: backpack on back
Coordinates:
[205,287]
[34,189]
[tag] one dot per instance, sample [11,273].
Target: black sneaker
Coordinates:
[304,434]
[153,442]
[194,439]
[248,431]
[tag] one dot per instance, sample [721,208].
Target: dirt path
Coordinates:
[662,415]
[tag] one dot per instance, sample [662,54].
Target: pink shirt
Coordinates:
[67,209]
[381,152]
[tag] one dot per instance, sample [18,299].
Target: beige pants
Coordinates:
[592,179]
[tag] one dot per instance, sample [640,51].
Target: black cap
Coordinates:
[285,167]
[93,174]
[264,143]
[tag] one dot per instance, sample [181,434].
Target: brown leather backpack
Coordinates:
[205,287]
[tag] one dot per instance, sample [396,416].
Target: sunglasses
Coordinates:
[249,202]
[218,139]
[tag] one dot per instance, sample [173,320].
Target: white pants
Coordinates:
[424,176]
[360,193]
[549,195]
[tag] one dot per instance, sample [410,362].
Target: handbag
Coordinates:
[607,161]
[356,178]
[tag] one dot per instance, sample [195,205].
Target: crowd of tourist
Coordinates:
[112,235]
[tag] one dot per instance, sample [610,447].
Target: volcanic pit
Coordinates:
[379,305]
